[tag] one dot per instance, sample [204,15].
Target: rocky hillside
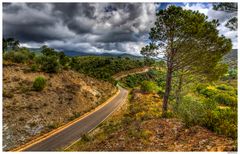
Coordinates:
[231,58]
[28,113]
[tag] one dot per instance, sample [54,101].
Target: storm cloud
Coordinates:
[92,27]
[84,27]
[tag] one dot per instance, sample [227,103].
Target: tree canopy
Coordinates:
[10,43]
[185,40]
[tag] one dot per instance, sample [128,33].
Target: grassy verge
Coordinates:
[127,123]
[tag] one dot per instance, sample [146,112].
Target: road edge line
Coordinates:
[59,129]
[98,124]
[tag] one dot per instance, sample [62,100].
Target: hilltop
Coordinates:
[76,53]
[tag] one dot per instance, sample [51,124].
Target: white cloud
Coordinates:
[201,7]
[223,17]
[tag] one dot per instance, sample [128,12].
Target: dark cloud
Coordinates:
[70,10]
[93,26]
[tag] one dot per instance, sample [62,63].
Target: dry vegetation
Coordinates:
[138,126]
[28,113]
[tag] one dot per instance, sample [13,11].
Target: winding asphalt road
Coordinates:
[74,132]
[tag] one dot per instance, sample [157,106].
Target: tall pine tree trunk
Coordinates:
[179,89]
[169,77]
[167,88]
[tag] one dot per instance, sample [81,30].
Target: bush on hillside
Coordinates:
[193,111]
[224,87]
[34,67]
[206,113]
[233,73]
[222,121]
[226,99]
[206,90]
[50,64]
[222,94]
[39,83]
[20,56]
[149,86]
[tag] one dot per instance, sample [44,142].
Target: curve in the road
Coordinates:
[119,75]
[75,131]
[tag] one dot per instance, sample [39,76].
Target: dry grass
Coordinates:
[140,128]
[67,95]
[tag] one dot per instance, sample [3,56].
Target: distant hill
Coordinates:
[75,53]
[232,58]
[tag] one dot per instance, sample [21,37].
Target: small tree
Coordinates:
[10,43]
[39,83]
[45,50]
[5,45]
[185,40]
[50,64]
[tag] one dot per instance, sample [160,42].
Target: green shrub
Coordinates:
[86,138]
[74,116]
[133,132]
[168,115]
[149,86]
[145,134]
[50,64]
[39,59]
[206,90]
[130,81]
[224,87]
[8,55]
[127,119]
[232,73]
[39,83]
[193,111]
[34,67]
[190,111]
[48,51]
[206,113]
[226,99]
[17,57]
[222,121]
[20,56]
[200,87]
[53,125]
[64,61]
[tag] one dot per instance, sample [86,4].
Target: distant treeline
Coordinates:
[51,61]
[106,67]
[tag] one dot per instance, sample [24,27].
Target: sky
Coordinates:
[93,28]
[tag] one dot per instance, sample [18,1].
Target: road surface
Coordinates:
[118,76]
[74,132]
